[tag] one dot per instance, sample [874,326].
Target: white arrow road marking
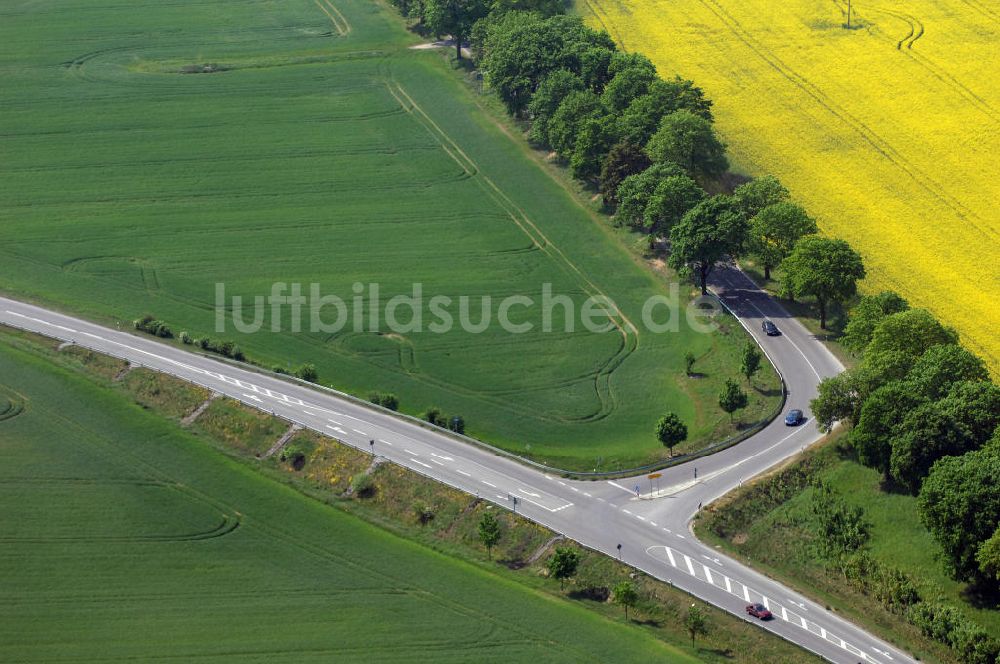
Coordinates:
[488,484]
[528,493]
[883,653]
[457,470]
[798,604]
[254,397]
[443,458]
[421,463]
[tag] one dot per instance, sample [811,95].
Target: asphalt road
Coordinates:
[649,523]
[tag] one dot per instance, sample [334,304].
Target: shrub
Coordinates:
[307,372]
[944,623]
[766,495]
[294,457]
[152,326]
[689,360]
[889,586]
[185,338]
[435,417]
[840,528]
[423,513]
[384,399]
[363,486]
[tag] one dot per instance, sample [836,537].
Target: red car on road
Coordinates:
[759,611]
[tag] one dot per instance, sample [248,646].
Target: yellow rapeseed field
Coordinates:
[889,132]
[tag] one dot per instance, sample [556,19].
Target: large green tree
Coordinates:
[961,422]
[775,230]
[625,595]
[753,196]
[594,139]
[825,268]
[988,557]
[550,93]
[750,361]
[640,120]
[690,141]
[624,159]
[960,505]
[454,17]
[489,531]
[837,399]
[626,85]
[707,233]
[564,563]
[911,332]
[564,127]
[636,190]
[881,414]
[732,398]
[671,431]
[867,314]
[941,367]
[672,198]
[517,51]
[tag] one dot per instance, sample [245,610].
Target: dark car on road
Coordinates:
[794,417]
[759,611]
[770,329]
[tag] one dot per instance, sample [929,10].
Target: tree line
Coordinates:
[922,410]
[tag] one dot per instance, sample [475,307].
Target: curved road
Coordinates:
[652,528]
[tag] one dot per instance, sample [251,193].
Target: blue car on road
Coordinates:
[794,417]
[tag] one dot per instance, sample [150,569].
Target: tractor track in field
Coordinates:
[983,10]
[905,45]
[882,146]
[339,21]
